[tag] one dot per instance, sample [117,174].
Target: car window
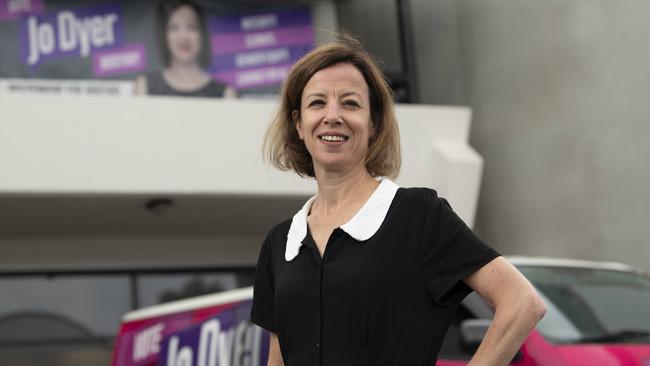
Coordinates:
[586,303]
[62,307]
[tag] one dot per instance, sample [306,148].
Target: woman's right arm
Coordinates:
[275,356]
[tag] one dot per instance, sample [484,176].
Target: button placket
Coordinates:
[319,309]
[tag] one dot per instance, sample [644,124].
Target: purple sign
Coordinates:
[120,60]
[239,42]
[12,9]
[227,339]
[259,49]
[69,32]
[260,21]
[259,58]
[255,77]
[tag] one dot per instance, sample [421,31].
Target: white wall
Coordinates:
[134,145]
[92,148]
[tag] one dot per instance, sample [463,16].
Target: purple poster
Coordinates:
[227,339]
[213,331]
[79,33]
[121,47]
[258,49]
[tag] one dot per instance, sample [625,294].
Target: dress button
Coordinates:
[316,346]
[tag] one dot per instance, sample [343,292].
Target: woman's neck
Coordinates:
[184,69]
[185,76]
[336,191]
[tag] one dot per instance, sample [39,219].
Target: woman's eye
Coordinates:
[317,102]
[351,103]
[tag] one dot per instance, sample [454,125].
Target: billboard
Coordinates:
[211,330]
[208,48]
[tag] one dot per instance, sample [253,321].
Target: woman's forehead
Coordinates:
[183,12]
[340,76]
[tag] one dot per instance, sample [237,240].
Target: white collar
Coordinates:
[361,227]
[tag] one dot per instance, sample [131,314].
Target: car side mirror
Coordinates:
[472,332]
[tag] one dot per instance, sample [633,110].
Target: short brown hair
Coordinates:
[284,149]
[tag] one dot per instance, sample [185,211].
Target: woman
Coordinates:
[185,52]
[367,273]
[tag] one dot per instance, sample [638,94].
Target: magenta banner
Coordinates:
[211,330]
[12,9]
[120,60]
[229,43]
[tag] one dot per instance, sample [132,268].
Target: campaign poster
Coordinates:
[184,48]
[215,335]
[224,340]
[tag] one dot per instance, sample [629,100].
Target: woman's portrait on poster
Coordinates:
[185,53]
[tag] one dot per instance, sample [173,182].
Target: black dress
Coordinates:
[157,85]
[383,293]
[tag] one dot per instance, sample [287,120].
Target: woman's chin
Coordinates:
[336,166]
[185,58]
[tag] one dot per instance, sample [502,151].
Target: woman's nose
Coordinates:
[333,114]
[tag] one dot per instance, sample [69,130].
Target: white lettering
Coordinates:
[147,342]
[96,31]
[257,58]
[46,38]
[208,351]
[104,31]
[80,28]
[41,39]
[15,6]
[258,21]
[271,74]
[184,357]
[255,345]
[262,39]
[116,61]
[239,345]
[225,347]
[246,351]
[32,40]
[67,36]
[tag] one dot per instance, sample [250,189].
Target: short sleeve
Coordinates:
[263,311]
[451,252]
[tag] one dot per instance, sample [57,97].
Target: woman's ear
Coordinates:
[295,116]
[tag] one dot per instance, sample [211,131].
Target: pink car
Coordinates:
[598,315]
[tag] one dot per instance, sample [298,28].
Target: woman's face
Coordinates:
[183,35]
[334,120]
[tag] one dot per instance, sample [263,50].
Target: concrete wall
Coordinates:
[77,173]
[559,91]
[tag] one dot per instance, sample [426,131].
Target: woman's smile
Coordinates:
[333,138]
